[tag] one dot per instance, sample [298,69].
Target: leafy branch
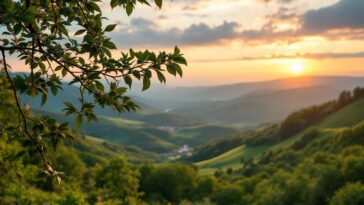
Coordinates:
[42,34]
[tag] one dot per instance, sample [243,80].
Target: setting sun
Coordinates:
[297,68]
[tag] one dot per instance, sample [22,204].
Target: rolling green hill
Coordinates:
[122,131]
[350,115]
[93,150]
[261,107]
[329,126]
[234,157]
[174,97]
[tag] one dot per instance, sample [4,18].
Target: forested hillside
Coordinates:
[343,111]
[324,165]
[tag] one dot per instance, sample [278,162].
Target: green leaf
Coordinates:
[107,51]
[110,27]
[79,120]
[178,69]
[161,77]
[95,6]
[68,104]
[129,8]
[177,50]
[54,90]
[34,65]
[82,61]
[109,44]
[159,3]
[114,3]
[128,80]
[44,99]
[17,29]
[42,66]
[180,59]
[171,69]
[148,73]
[136,74]
[79,32]
[99,86]
[64,72]
[146,83]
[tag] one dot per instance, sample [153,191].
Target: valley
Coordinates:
[203,118]
[219,158]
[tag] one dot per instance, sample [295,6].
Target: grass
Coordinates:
[123,122]
[351,114]
[94,139]
[232,158]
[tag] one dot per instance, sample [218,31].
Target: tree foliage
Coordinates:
[304,118]
[172,182]
[118,180]
[67,39]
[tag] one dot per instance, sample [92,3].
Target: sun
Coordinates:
[297,68]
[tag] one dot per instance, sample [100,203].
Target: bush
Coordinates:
[351,194]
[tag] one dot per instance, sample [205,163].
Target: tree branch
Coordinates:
[38,146]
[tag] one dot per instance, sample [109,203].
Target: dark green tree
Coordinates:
[352,194]
[118,181]
[173,182]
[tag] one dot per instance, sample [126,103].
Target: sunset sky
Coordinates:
[228,41]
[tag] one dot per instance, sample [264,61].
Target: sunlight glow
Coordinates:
[297,68]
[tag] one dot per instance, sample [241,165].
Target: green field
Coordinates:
[232,158]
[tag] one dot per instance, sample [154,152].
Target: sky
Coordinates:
[230,41]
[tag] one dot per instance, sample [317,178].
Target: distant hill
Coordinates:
[248,103]
[261,107]
[169,97]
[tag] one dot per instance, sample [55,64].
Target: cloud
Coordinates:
[142,32]
[196,5]
[279,1]
[310,56]
[202,33]
[346,14]
[342,20]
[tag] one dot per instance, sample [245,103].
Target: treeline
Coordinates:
[307,117]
